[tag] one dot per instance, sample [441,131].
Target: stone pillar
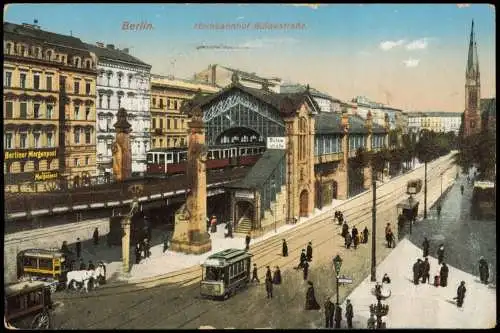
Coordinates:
[125,223]
[122,152]
[367,171]
[197,240]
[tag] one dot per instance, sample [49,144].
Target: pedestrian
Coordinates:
[462,189]
[146,247]
[338,316]
[311,303]
[341,218]
[284,249]
[302,259]
[345,229]
[269,288]
[213,224]
[277,276]
[254,274]
[269,275]
[329,312]
[208,224]
[166,240]
[305,269]
[416,271]
[336,216]
[425,247]
[229,227]
[349,313]
[440,254]
[443,275]
[95,236]
[309,251]
[90,266]
[138,251]
[82,265]
[439,210]
[461,294]
[484,272]
[348,241]
[78,248]
[355,238]
[426,269]
[370,323]
[392,240]
[365,235]
[65,248]
[386,279]
[436,280]
[247,242]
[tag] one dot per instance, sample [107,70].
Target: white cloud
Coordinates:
[411,62]
[310,5]
[240,17]
[418,44]
[268,42]
[463,5]
[389,44]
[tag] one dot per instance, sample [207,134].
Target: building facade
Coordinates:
[443,122]
[221,76]
[168,124]
[122,81]
[326,102]
[472,116]
[49,112]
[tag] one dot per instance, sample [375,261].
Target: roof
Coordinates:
[33,33]
[42,252]
[27,286]
[489,106]
[226,257]
[285,103]
[262,170]
[171,81]
[328,123]
[357,125]
[246,75]
[433,114]
[295,88]
[115,54]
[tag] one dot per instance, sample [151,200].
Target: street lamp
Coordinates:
[379,309]
[337,263]
[373,276]
[273,186]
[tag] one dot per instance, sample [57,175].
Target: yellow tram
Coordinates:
[224,273]
[47,265]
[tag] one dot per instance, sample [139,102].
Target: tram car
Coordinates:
[224,273]
[170,161]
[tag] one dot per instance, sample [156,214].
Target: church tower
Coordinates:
[472,114]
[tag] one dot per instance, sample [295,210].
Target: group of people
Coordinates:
[339,216]
[305,258]
[271,278]
[142,250]
[354,237]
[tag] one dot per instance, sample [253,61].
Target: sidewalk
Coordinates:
[162,263]
[425,306]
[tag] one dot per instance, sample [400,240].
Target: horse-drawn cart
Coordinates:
[28,305]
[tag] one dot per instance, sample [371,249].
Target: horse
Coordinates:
[81,277]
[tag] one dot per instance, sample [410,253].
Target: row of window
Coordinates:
[356,141]
[25,140]
[24,50]
[36,83]
[324,145]
[171,142]
[30,166]
[77,134]
[173,104]
[104,78]
[169,123]
[38,111]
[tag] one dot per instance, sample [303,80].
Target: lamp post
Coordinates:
[273,186]
[379,309]
[337,264]
[373,276]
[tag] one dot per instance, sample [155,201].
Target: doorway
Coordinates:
[304,203]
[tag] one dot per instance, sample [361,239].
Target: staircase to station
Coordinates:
[244,226]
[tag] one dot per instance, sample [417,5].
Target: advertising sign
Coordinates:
[30,154]
[276,143]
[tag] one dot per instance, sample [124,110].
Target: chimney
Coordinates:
[99,44]
[212,75]
[369,121]
[110,46]
[125,50]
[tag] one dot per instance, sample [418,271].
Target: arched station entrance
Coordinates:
[304,203]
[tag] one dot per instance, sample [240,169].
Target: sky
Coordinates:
[411,56]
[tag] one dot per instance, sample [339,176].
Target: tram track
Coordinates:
[356,210]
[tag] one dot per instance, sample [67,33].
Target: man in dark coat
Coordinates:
[138,251]
[146,248]
[425,247]
[91,266]
[348,241]
[345,229]
[311,303]
[365,235]
[462,189]
[309,251]
[269,288]
[230,229]
[443,275]
[247,242]
[354,232]
[65,248]
[166,240]
[439,210]
[302,259]
[269,275]
[254,274]
[461,294]
[426,271]
[305,269]
[349,313]
[338,316]
[329,312]
[341,218]
[78,248]
[95,236]
[484,271]
[285,249]
[416,271]
[277,276]
[440,254]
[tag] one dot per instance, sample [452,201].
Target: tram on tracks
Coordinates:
[170,161]
[224,273]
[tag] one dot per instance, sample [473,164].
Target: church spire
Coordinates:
[472,71]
